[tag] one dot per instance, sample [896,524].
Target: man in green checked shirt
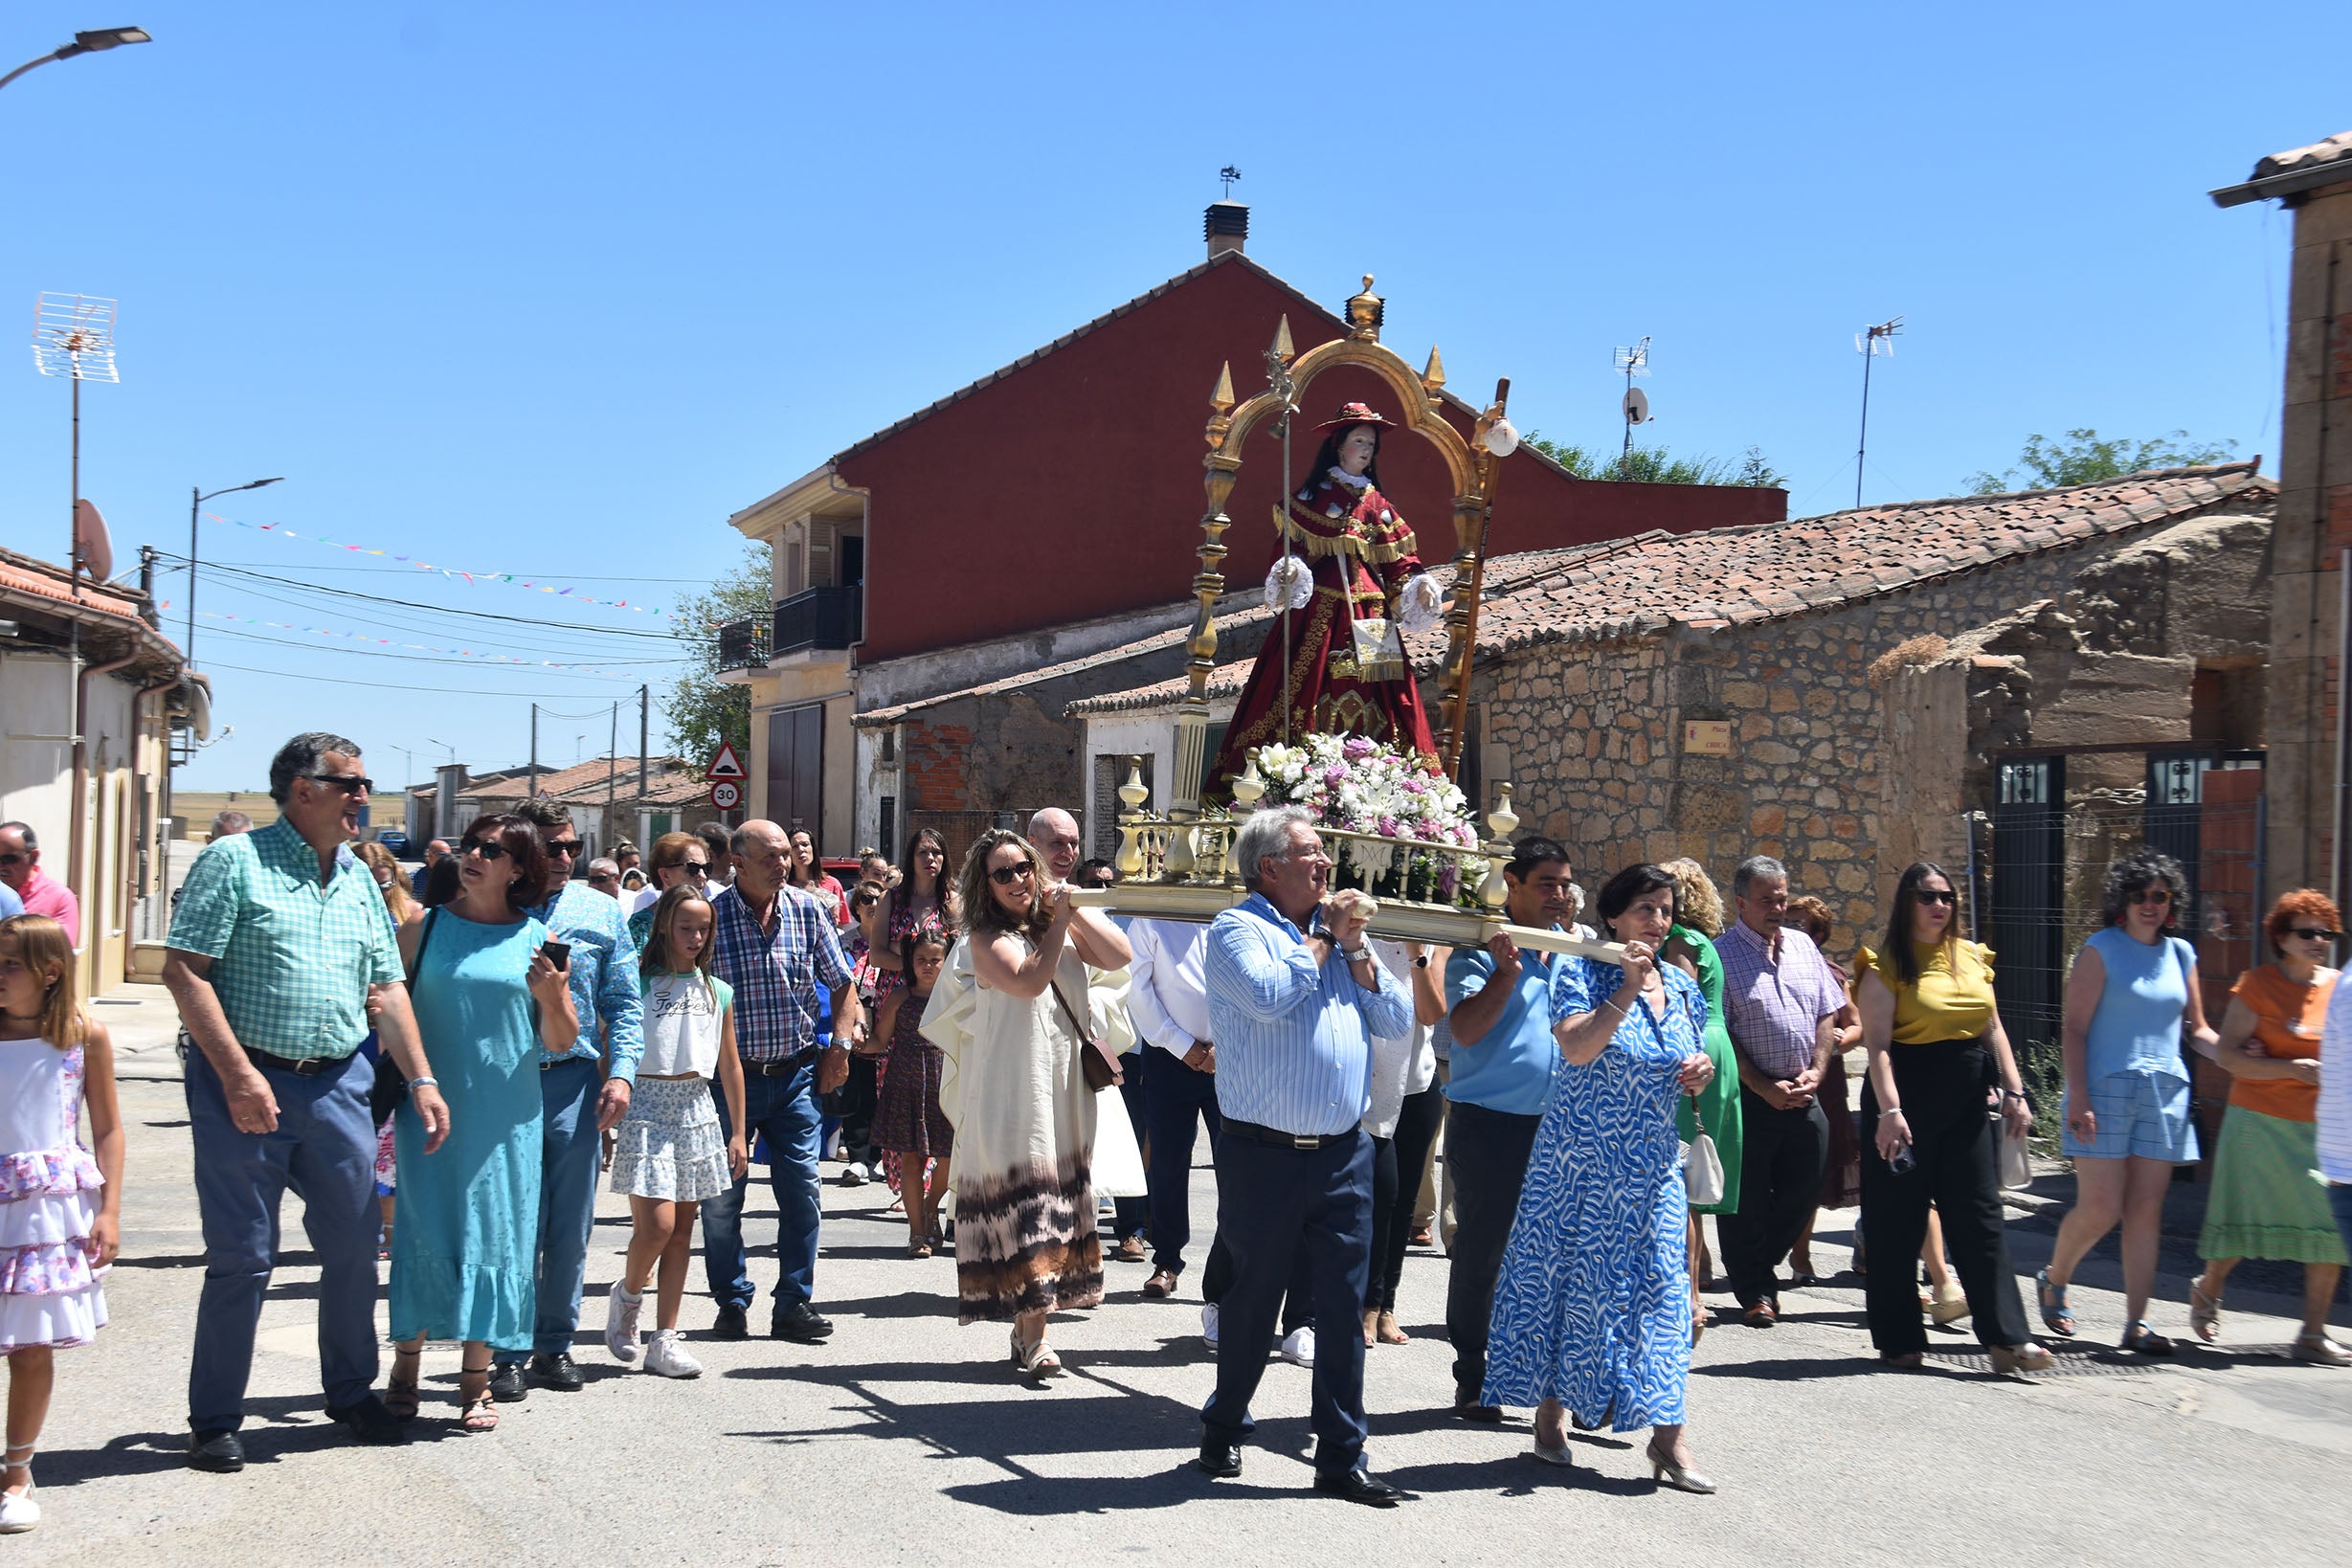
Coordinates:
[278,949]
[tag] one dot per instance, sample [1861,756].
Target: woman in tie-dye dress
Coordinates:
[1592,1314]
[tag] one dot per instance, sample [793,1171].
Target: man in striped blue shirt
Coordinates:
[1295,996]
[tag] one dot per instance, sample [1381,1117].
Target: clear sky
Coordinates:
[553,289]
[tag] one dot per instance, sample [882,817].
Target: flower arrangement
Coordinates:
[1359,785]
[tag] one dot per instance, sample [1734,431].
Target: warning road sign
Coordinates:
[727,764]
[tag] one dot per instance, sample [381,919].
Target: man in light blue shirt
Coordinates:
[583,1097]
[1295,996]
[10,906]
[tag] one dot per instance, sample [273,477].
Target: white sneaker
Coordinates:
[1299,1348]
[854,1175]
[1208,1323]
[666,1357]
[620,1311]
[18,1514]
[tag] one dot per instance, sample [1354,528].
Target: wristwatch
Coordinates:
[425,1081]
[1421,960]
[1356,955]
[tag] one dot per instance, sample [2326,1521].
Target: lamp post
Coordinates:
[84,43]
[195,498]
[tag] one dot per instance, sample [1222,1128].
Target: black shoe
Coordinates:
[507,1385]
[1467,1408]
[731,1323]
[800,1323]
[1219,1458]
[217,1451]
[555,1369]
[1359,1486]
[367,1422]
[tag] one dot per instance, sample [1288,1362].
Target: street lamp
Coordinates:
[196,499]
[84,43]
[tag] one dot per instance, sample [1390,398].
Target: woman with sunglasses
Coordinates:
[1938,1058]
[2131,992]
[677,857]
[2263,1202]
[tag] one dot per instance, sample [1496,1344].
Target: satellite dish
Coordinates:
[1637,406]
[91,542]
[199,710]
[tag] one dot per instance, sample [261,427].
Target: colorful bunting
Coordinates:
[416,647]
[475,577]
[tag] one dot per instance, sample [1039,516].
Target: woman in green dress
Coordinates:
[1698,919]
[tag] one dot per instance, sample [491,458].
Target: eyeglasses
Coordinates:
[347,783]
[2313,933]
[2158,896]
[1929,895]
[563,847]
[487,851]
[699,867]
[12,860]
[1004,876]
[604,875]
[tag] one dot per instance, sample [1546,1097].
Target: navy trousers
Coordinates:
[1177,1099]
[1274,1204]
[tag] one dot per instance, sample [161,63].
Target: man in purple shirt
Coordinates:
[1781,1003]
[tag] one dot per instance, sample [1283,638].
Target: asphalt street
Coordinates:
[909,1439]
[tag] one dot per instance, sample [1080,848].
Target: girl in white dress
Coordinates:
[60,1206]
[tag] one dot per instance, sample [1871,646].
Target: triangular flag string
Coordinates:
[473,577]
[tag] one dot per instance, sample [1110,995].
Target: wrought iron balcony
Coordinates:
[743,644]
[827,618]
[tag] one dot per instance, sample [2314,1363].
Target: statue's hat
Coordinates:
[1357,414]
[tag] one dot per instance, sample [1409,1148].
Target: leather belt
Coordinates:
[306,1067]
[782,1068]
[1276,1138]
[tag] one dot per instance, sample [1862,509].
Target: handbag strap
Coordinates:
[416,966]
[1077,1028]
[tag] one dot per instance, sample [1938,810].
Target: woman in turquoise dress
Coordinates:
[487,1000]
[1592,1314]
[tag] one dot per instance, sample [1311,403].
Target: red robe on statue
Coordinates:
[1360,554]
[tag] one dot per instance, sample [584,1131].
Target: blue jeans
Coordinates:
[1292,1203]
[1177,1099]
[324,1148]
[569,1152]
[784,1109]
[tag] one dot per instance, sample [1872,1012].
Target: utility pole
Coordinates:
[534,783]
[644,713]
[611,781]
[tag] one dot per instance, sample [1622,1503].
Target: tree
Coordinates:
[702,710]
[1653,465]
[2084,458]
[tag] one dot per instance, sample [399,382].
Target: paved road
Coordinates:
[906,1439]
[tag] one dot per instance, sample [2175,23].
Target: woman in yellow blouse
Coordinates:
[1938,1051]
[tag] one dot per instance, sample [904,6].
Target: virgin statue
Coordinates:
[1349,581]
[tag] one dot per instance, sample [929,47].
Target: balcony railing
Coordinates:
[819,618]
[743,644]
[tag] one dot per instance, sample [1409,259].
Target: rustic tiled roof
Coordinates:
[1734,576]
[2335,148]
[586,780]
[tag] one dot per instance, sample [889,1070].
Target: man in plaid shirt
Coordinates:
[280,952]
[775,944]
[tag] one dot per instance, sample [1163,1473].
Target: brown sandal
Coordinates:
[402,1396]
[477,1412]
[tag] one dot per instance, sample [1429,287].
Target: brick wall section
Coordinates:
[1593,732]
[935,755]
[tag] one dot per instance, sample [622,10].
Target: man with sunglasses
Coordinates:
[1781,1004]
[584,1094]
[36,890]
[279,949]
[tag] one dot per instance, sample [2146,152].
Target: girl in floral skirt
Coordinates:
[60,1204]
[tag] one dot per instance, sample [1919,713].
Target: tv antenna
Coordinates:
[1230,173]
[1631,362]
[1871,342]
[73,337]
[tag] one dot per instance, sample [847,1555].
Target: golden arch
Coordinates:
[1469,465]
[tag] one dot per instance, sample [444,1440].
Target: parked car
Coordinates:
[395,841]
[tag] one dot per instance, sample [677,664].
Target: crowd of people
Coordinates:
[445,1071]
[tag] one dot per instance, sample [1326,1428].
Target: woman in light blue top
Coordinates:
[2131,991]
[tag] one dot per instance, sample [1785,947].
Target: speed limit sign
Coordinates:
[726,795]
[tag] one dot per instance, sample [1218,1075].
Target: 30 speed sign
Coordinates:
[726,795]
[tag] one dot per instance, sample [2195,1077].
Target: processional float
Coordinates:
[1435,878]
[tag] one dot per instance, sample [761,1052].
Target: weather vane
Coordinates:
[1229,173]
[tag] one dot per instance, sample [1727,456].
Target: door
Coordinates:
[2028,902]
[797,768]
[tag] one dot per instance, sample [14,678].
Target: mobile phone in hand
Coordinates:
[558,954]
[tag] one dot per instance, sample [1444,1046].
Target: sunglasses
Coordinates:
[347,783]
[563,847]
[2314,933]
[1004,876]
[2156,896]
[697,867]
[604,875]
[487,851]
[1926,895]
[12,860]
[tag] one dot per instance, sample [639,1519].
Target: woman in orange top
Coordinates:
[2264,1203]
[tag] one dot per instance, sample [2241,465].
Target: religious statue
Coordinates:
[1345,583]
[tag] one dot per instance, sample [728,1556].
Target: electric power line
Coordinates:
[436,608]
[324,646]
[403,686]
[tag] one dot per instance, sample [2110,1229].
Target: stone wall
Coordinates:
[1592,733]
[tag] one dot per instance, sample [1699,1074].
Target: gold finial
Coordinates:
[1282,348]
[1433,374]
[1221,401]
[1364,312]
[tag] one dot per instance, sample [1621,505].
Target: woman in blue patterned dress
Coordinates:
[1592,1314]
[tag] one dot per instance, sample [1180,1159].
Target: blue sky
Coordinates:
[555,289]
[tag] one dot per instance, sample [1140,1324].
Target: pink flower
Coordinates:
[1390,827]
[1357,749]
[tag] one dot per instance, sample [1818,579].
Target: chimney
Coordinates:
[1226,227]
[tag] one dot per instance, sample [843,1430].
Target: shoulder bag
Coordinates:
[1702,1168]
[1094,1061]
[392,1085]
